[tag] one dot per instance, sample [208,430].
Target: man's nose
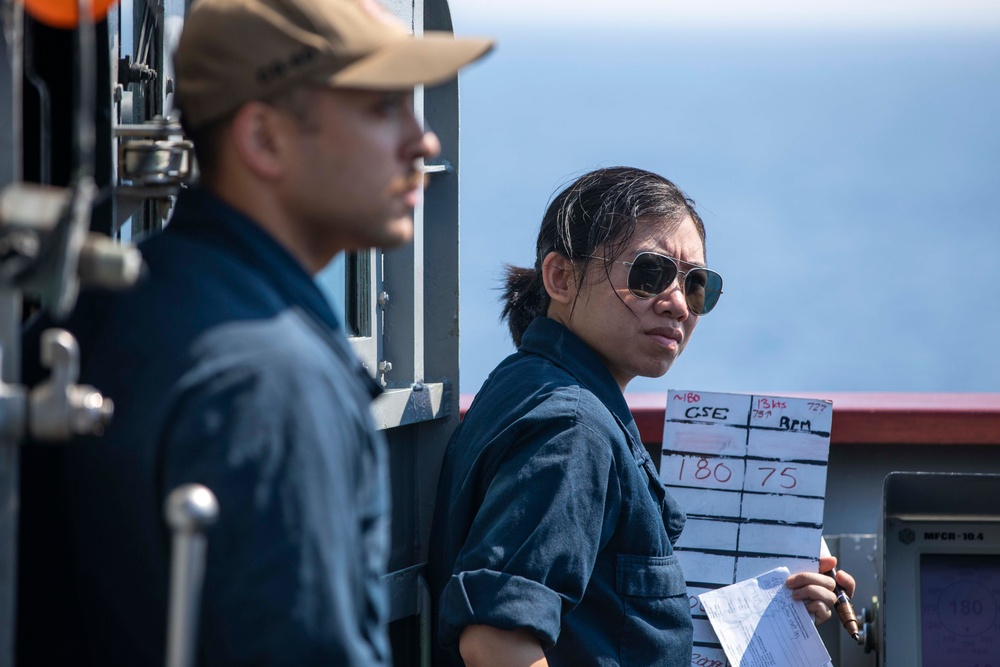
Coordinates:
[430,145]
[420,142]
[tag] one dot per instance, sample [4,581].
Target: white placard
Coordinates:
[750,471]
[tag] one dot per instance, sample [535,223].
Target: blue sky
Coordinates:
[854,14]
[845,160]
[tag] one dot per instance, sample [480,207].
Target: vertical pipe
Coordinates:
[10,316]
[189,510]
[11,45]
[84,132]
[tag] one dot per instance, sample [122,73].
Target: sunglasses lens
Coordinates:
[702,288]
[650,274]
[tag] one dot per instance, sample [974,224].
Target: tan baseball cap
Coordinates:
[234,51]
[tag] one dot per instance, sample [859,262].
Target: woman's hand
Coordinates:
[816,589]
[486,646]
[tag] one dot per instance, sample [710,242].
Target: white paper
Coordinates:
[760,625]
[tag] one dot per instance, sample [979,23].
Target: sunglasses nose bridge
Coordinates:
[677,294]
[673,293]
[680,280]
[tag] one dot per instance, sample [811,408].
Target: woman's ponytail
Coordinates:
[524,299]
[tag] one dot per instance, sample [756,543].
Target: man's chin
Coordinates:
[400,231]
[396,232]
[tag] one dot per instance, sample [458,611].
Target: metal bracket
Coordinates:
[59,408]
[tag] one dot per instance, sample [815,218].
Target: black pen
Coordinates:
[845,610]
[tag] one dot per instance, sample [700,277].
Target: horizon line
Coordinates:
[729,14]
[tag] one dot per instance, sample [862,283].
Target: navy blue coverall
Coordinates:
[228,368]
[550,516]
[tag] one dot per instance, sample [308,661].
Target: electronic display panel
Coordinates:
[960,610]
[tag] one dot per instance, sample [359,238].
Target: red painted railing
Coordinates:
[869,418]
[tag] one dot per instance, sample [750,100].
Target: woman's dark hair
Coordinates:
[595,216]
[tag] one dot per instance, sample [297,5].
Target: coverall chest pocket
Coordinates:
[656,629]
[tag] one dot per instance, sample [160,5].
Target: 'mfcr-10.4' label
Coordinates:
[965,536]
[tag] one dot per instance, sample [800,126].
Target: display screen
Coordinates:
[960,610]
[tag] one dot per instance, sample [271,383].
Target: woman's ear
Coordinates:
[559,277]
[259,135]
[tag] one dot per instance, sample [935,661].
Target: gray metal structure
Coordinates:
[939,570]
[401,306]
[10,311]
[47,252]
[853,522]
[414,297]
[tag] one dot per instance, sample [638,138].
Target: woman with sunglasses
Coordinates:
[552,541]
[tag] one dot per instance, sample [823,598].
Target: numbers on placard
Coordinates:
[761,414]
[704,470]
[770,403]
[689,397]
[817,407]
[699,660]
[789,481]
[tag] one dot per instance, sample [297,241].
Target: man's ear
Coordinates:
[559,277]
[261,139]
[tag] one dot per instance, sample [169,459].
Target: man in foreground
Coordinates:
[227,365]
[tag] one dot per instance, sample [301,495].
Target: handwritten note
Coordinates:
[750,471]
[760,625]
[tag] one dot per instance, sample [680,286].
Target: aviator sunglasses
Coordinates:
[650,274]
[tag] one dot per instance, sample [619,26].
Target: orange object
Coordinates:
[64,13]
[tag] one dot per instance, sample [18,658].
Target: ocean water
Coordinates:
[849,182]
